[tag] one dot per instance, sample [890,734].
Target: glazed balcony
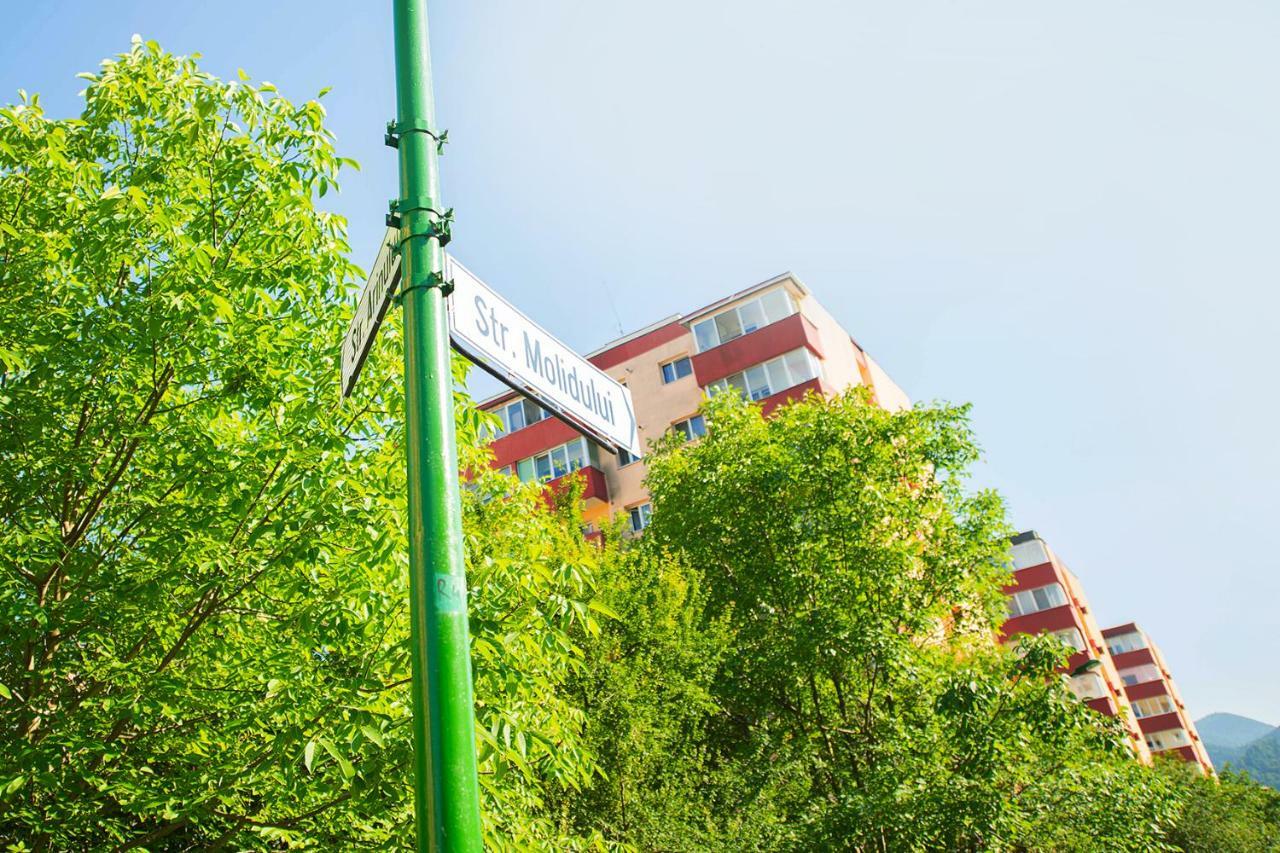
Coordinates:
[766,342]
[530,441]
[795,392]
[1160,722]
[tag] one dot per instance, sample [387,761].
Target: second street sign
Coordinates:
[491,332]
[372,307]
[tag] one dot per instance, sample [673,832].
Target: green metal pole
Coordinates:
[446,789]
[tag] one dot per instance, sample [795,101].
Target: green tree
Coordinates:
[1230,814]
[844,592]
[202,602]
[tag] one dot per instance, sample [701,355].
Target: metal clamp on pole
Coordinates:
[434,279]
[395,131]
[440,227]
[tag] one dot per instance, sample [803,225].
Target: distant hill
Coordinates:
[1231,729]
[1243,744]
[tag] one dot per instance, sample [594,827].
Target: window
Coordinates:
[1037,599]
[555,462]
[1139,674]
[756,383]
[1071,637]
[1152,707]
[518,415]
[690,428]
[743,319]
[1125,643]
[640,517]
[1088,686]
[678,369]
[626,457]
[1168,739]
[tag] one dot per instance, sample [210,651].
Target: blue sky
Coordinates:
[1064,213]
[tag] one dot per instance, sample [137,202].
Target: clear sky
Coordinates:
[1067,214]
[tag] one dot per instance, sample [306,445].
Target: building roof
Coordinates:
[742,294]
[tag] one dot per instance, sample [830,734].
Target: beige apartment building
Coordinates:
[773,341]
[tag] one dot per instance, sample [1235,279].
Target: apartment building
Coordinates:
[1156,702]
[774,342]
[1045,597]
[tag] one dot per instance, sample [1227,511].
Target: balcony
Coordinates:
[795,392]
[1089,687]
[1033,576]
[1103,705]
[1145,690]
[767,342]
[1136,657]
[1188,754]
[595,490]
[1160,722]
[1054,619]
[530,441]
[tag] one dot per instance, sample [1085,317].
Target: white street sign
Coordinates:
[491,332]
[374,300]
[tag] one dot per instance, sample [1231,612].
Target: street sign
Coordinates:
[490,331]
[372,307]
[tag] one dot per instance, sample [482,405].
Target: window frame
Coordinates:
[581,455]
[743,380]
[525,404]
[1018,608]
[676,375]
[1121,644]
[684,426]
[743,326]
[1167,706]
[643,512]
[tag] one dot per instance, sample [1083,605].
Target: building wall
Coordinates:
[636,360]
[1163,684]
[657,406]
[1036,565]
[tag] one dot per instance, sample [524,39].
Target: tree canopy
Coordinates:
[838,592]
[202,601]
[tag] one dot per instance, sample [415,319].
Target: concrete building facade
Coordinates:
[774,342]
[1046,598]
[1154,697]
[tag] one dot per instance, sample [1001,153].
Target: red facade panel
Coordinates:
[795,392]
[636,346]
[1145,690]
[1160,723]
[1137,657]
[1053,619]
[1126,628]
[530,441]
[1186,753]
[594,486]
[752,348]
[1031,577]
[1104,705]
